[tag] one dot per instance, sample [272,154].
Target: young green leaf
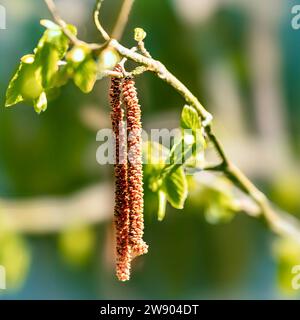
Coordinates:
[86,75]
[176,188]
[62,76]
[155,154]
[48,58]
[154,157]
[190,118]
[56,38]
[13,94]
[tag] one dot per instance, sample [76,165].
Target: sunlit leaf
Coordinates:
[86,75]
[57,38]
[154,157]
[190,118]
[62,76]
[13,93]
[176,188]
[78,54]
[48,59]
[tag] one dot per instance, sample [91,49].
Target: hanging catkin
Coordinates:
[122,211]
[129,203]
[135,169]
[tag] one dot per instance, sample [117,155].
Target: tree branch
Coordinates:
[88,206]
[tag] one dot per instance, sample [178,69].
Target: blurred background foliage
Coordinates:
[241,59]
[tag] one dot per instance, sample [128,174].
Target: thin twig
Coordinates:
[109,73]
[143,50]
[62,24]
[52,8]
[97,21]
[122,19]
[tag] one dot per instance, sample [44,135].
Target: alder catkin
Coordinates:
[122,210]
[135,169]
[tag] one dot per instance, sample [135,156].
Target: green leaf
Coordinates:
[86,75]
[57,38]
[155,154]
[28,59]
[154,157]
[162,202]
[13,95]
[62,76]
[51,48]
[190,118]
[40,104]
[25,84]
[37,73]
[170,185]
[48,58]
[176,188]
[78,54]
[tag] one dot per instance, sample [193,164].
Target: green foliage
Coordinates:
[190,119]
[83,68]
[13,93]
[171,186]
[37,72]
[47,57]
[175,187]
[51,66]
[165,167]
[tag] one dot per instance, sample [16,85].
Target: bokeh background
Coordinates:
[241,58]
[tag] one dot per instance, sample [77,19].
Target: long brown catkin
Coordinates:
[121,211]
[135,169]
